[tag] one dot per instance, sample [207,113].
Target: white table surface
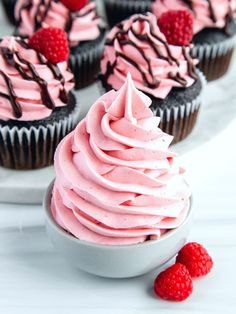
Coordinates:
[35,279]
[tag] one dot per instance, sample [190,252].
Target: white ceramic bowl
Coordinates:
[115,261]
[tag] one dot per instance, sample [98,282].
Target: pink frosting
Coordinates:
[139,51]
[28,92]
[201,10]
[85,25]
[117,187]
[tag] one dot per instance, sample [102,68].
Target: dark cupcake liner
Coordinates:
[177,121]
[23,148]
[214,59]
[119,10]
[9,6]
[85,61]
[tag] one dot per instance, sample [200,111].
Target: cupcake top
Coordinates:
[80,25]
[137,46]
[207,13]
[31,87]
[117,187]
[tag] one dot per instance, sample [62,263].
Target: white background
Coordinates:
[35,279]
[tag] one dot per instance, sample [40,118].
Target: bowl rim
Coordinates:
[64,233]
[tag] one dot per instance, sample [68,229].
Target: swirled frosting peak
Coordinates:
[117,182]
[137,46]
[81,25]
[30,86]
[207,13]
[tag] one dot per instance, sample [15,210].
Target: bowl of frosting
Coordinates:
[119,205]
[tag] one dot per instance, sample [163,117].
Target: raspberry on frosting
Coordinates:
[177,26]
[37,87]
[137,45]
[206,13]
[116,187]
[74,5]
[52,43]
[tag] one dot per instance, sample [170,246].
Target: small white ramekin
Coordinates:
[119,261]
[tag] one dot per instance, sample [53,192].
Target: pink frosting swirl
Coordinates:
[138,46]
[207,13]
[117,187]
[83,25]
[26,91]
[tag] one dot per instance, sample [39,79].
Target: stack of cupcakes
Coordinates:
[214,27]
[85,30]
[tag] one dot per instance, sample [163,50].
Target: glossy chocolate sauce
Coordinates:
[212,12]
[154,82]
[30,74]
[41,14]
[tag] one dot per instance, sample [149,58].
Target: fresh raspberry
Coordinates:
[174,283]
[52,43]
[196,258]
[177,26]
[74,5]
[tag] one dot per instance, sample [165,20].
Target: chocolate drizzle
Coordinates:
[191,67]
[30,74]
[189,4]
[212,12]
[121,37]
[12,96]
[41,14]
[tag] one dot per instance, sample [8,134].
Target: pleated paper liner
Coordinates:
[85,61]
[9,6]
[34,147]
[119,10]
[178,121]
[214,59]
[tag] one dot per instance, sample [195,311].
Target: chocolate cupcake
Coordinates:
[9,7]
[84,28]
[214,27]
[166,73]
[214,32]
[37,107]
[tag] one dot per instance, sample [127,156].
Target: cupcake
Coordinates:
[115,187]
[164,72]
[37,107]
[79,19]
[9,7]
[214,27]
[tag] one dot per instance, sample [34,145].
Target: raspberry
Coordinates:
[196,258]
[74,5]
[52,43]
[177,26]
[174,283]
